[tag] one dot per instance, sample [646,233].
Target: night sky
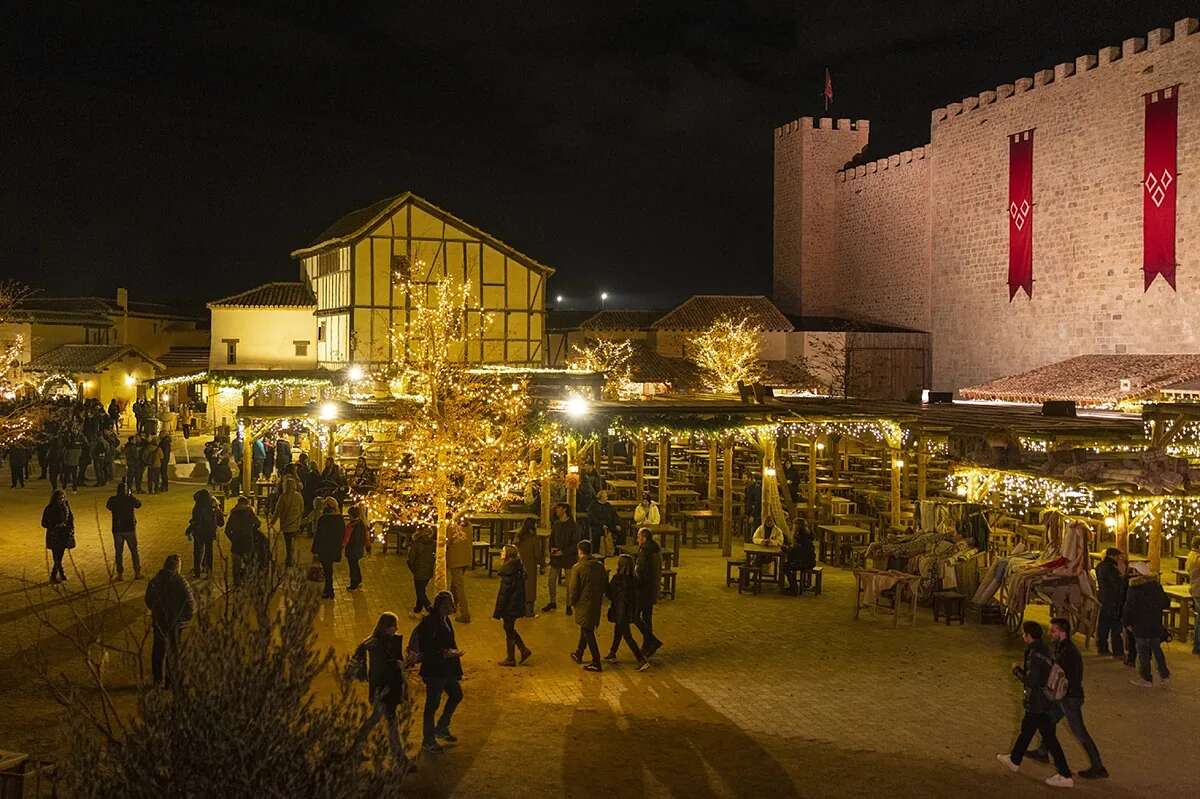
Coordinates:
[184,151]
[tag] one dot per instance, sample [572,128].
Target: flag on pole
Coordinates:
[828,89]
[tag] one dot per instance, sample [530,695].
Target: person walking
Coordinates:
[441,668]
[59,522]
[527,548]
[18,459]
[202,530]
[458,560]
[99,455]
[1033,673]
[355,544]
[1192,566]
[511,604]
[603,519]
[172,605]
[648,571]
[327,541]
[1142,615]
[564,542]
[71,455]
[152,460]
[422,553]
[382,659]
[1111,584]
[124,529]
[41,450]
[133,465]
[288,514]
[585,593]
[243,530]
[1067,656]
[623,595]
[164,468]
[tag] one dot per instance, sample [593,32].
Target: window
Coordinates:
[301,349]
[230,350]
[321,332]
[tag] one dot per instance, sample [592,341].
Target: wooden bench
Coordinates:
[750,578]
[668,583]
[951,605]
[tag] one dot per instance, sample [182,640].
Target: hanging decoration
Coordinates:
[1160,186]
[1020,213]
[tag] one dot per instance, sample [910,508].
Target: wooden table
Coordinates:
[833,532]
[761,554]
[495,523]
[622,487]
[903,582]
[856,520]
[664,530]
[704,519]
[1184,595]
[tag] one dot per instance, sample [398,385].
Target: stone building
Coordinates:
[920,239]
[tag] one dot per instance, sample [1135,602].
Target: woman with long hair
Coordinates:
[511,604]
[59,522]
[622,610]
[381,657]
[527,548]
[355,544]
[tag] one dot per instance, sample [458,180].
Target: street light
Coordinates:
[328,411]
[576,406]
[558,298]
[603,298]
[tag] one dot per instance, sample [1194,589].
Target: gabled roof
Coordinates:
[72,358]
[620,320]
[358,223]
[699,312]
[648,366]
[1091,379]
[270,295]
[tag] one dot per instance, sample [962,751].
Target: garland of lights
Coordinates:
[166,382]
[57,377]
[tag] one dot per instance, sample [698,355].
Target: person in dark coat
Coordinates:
[1070,707]
[528,547]
[355,545]
[114,412]
[54,461]
[41,450]
[1142,615]
[122,506]
[283,454]
[202,530]
[564,539]
[172,605]
[753,503]
[72,452]
[164,445]
[244,529]
[624,595]
[18,460]
[268,458]
[585,593]
[422,554]
[59,522]
[648,571]
[383,656]
[799,555]
[441,668]
[510,604]
[1033,673]
[1111,582]
[601,516]
[327,541]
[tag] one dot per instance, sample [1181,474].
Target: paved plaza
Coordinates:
[751,696]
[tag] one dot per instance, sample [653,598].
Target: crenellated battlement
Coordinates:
[822,123]
[1154,39]
[891,162]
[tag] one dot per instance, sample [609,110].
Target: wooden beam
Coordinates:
[572,460]
[1155,545]
[1123,526]
[812,483]
[712,473]
[727,501]
[922,464]
[894,453]
[639,466]
[664,470]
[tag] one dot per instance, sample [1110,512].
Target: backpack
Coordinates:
[1056,684]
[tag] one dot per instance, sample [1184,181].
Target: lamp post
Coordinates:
[603,299]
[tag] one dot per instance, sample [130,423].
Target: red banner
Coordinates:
[1160,183]
[1020,213]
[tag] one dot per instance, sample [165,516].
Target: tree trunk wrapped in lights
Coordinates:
[727,354]
[463,440]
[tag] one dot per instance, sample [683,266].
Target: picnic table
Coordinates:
[494,522]
[703,519]
[1182,593]
[835,535]
[762,554]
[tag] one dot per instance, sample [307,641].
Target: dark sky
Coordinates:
[184,149]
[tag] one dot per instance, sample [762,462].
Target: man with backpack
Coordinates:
[1041,695]
[1068,659]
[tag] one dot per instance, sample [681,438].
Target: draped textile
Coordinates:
[1160,185]
[1020,213]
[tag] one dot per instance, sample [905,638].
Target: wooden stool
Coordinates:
[479,553]
[950,604]
[750,578]
[668,583]
[730,565]
[811,579]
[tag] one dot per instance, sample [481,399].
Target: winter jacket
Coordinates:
[1111,584]
[432,637]
[801,555]
[623,594]
[1193,570]
[585,591]
[206,517]
[601,515]
[327,540]
[1144,605]
[527,548]
[385,677]
[1033,676]
[289,508]
[646,515]
[121,506]
[564,536]
[355,539]
[241,530]
[510,599]
[422,553]
[648,569]
[170,600]
[59,522]
[1067,656]
[72,453]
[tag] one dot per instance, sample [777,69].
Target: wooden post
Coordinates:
[812,482]
[639,466]
[547,487]
[664,463]
[712,473]
[922,464]
[1123,526]
[727,501]
[571,461]
[834,448]
[1155,545]
[248,464]
[895,456]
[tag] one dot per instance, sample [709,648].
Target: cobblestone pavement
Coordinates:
[752,695]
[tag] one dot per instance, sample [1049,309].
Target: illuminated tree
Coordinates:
[727,353]
[11,293]
[609,357]
[463,435]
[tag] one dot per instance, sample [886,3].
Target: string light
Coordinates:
[611,358]
[727,353]
[195,377]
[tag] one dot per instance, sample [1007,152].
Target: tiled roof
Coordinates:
[71,358]
[699,312]
[40,306]
[1091,379]
[620,320]
[648,366]
[185,358]
[270,295]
